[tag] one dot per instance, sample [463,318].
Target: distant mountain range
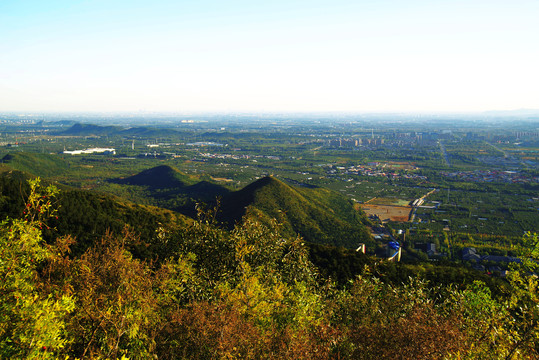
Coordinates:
[97,130]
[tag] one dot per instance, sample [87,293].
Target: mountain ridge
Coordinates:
[79,129]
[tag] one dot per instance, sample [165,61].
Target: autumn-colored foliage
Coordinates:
[248,293]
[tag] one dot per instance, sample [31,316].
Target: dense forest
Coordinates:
[198,290]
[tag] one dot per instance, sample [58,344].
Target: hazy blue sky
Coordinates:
[272,55]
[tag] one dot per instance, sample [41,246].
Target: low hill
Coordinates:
[159,177]
[318,215]
[90,129]
[169,188]
[147,132]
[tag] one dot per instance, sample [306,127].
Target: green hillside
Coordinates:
[44,165]
[318,215]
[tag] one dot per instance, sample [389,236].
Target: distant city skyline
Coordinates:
[281,56]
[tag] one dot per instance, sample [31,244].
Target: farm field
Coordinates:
[388,212]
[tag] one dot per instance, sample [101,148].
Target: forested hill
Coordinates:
[169,188]
[87,215]
[164,177]
[90,129]
[318,215]
[159,177]
[43,165]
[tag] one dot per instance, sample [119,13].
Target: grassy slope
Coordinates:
[43,165]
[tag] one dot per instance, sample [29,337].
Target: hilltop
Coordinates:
[159,177]
[170,188]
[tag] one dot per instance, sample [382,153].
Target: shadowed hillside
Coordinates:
[172,189]
[160,177]
[318,215]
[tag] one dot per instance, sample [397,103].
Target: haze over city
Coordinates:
[317,55]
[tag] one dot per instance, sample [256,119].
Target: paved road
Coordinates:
[444,154]
[500,150]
